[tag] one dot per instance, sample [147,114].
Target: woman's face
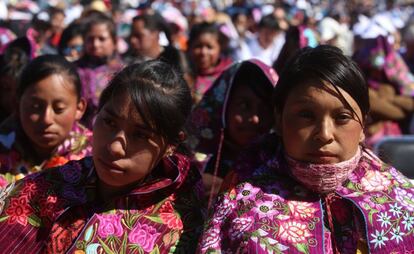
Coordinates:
[125,149]
[205,51]
[248,116]
[98,41]
[317,126]
[47,110]
[74,48]
[142,40]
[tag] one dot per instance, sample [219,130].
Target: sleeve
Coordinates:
[215,237]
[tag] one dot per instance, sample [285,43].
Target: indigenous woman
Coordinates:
[44,131]
[136,194]
[313,188]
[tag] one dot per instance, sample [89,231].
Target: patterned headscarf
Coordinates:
[208,119]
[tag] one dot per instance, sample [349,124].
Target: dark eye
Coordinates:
[343,118]
[305,114]
[108,122]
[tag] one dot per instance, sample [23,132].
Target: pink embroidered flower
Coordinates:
[239,226]
[34,187]
[110,225]
[48,207]
[293,231]
[406,199]
[211,239]
[171,220]
[144,235]
[375,181]
[247,192]
[265,209]
[3,182]
[19,210]
[223,209]
[301,210]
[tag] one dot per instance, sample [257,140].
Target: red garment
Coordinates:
[58,211]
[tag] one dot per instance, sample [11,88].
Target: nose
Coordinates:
[117,147]
[324,133]
[254,119]
[47,117]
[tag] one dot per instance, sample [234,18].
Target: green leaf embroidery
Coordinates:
[105,247]
[35,221]
[155,250]
[371,213]
[155,219]
[124,244]
[4,218]
[302,248]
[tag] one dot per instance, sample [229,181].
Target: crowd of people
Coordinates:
[204,126]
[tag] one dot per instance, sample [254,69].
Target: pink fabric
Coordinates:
[323,178]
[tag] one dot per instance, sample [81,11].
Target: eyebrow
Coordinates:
[139,126]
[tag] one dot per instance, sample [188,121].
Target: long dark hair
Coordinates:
[159,93]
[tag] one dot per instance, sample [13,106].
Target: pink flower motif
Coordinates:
[265,209]
[293,232]
[110,225]
[247,192]
[19,210]
[223,209]
[171,220]
[301,210]
[239,226]
[211,239]
[375,181]
[406,199]
[144,235]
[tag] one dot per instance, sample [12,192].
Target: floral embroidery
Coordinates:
[144,236]
[294,231]
[110,225]
[269,212]
[19,210]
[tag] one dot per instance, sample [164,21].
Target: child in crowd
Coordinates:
[71,42]
[137,193]
[45,131]
[235,111]
[313,187]
[206,47]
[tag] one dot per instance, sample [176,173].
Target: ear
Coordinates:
[80,108]
[362,137]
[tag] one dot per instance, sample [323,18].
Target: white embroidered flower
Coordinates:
[384,219]
[395,209]
[379,239]
[396,234]
[408,222]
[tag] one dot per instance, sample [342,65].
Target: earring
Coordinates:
[169,151]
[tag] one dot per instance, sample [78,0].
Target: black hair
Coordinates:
[155,22]
[16,55]
[269,21]
[159,93]
[44,66]
[249,74]
[70,32]
[323,64]
[97,18]
[205,27]
[151,22]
